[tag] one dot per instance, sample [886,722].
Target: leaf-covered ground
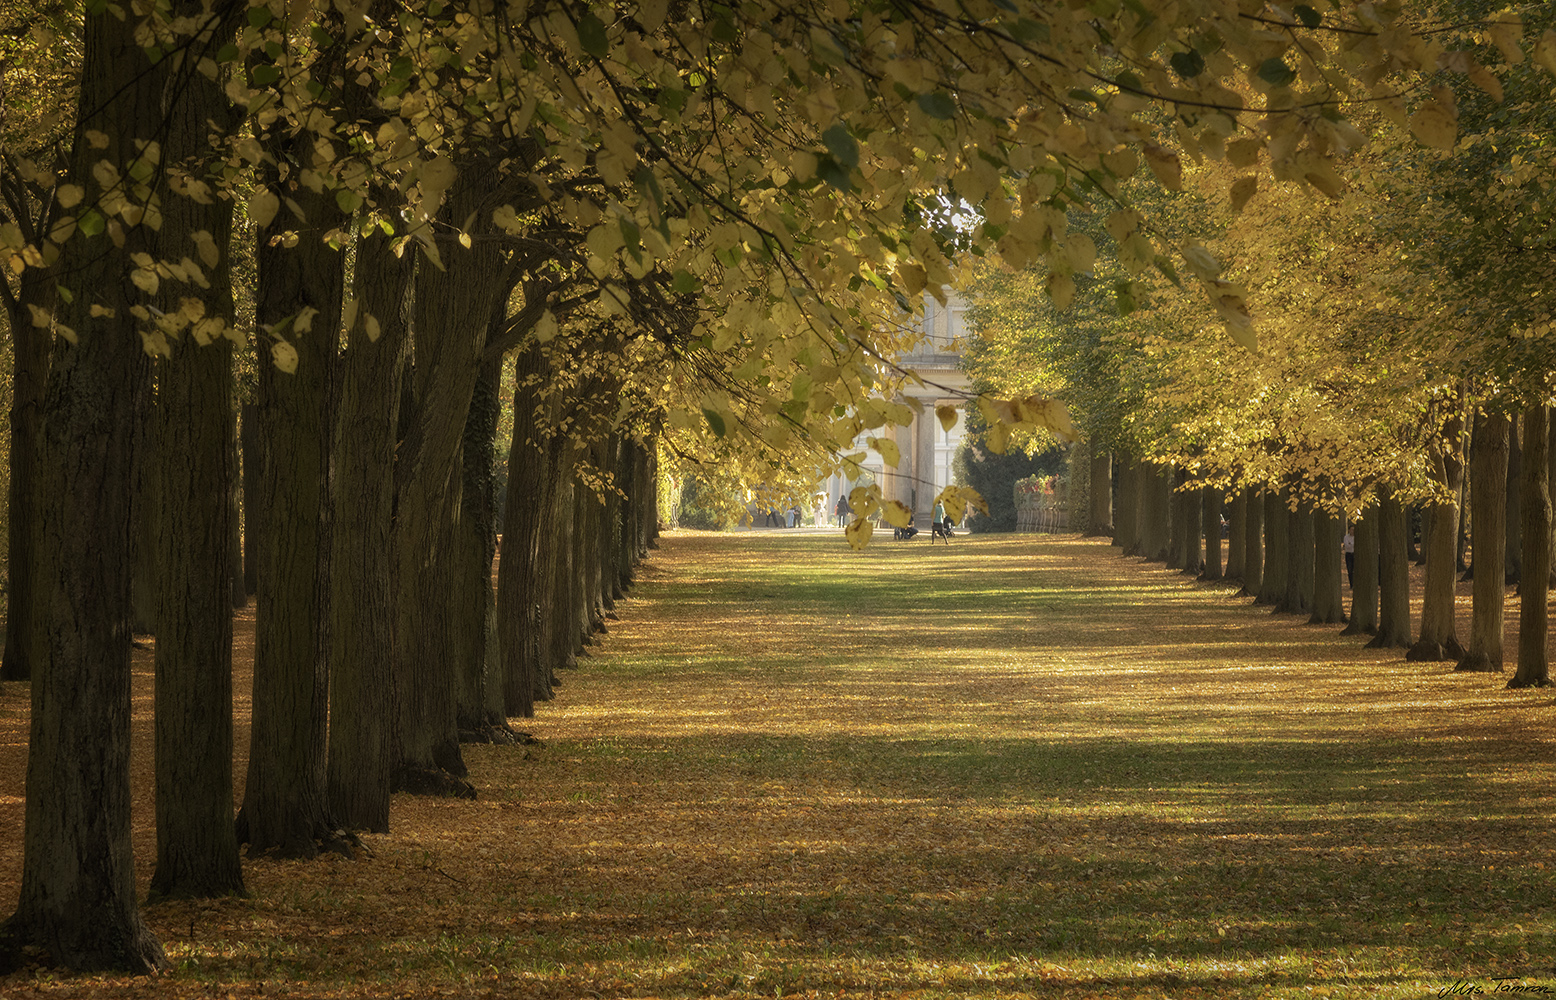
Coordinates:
[1016,766]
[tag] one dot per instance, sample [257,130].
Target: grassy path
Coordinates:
[1015,766]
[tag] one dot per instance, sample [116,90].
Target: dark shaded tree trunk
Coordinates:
[1155,516]
[1299,561]
[237,589]
[1534,506]
[1177,541]
[1328,564]
[1439,639]
[1210,507]
[480,714]
[527,520]
[77,900]
[363,703]
[1277,547]
[285,801]
[251,446]
[197,851]
[1393,576]
[1236,535]
[1101,496]
[29,380]
[1488,495]
[1127,522]
[1513,554]
[1253,543]
[1364,591]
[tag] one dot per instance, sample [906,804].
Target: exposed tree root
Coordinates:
[431,781]
[1477,663]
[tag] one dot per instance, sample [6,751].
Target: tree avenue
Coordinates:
[693,226]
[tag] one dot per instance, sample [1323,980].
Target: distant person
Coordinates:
[772,518]
[1348,546]
[942,519]
[844,510]
[793,517]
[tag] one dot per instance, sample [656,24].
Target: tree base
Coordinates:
[1477,663]
[1432,651]
[431,781]
[497,733]
[1099,532]
[1385,640]
[24,944]
[1528,682]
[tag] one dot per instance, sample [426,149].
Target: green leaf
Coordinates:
[1187,64]
[259,16]
[1129,81]
[1027,30]
[723,31]
[715,422]
[90,223]
[1309,17]
[65,294]
[1171,273]
[1276,72]
[402,68]
[830,171]
[937,105]
[685,283]
[227,53]
[263,76]
[842,145]
[1124,295]
[591,35]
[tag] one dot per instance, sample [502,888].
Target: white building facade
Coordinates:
[926,448]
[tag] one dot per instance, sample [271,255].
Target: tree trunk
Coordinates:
[1210,506]
[1177,536]
[1236,535]
[1277,547]
[285,804]
[1513,553]
[474,644]
[237,589]
[1299,561]
[1393,576]
[252,448]
[1126,523]
[1439,639]
[1253,543]
[29,380]
[1155,516]
[1364,590]
[77,900]
[363,702]
[1534,507]
[1488,493]
[1328,604]
[526,522]
[453,311]
[197,851]
[1101,495]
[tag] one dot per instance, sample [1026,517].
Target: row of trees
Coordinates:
[693,224]
[1400,342]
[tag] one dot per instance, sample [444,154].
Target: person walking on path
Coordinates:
[843,509]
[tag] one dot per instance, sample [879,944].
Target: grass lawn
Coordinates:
[1015,766]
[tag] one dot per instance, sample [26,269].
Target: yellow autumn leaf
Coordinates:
[947,415]
[896,514]
[887,448]
[284,356]
[858,533]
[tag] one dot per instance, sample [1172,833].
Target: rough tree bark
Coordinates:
[1236,535]
[1210,507]
[285,803]
[1253,543]
[29,379]
[1488,492]
[1328,604]
[363,704]
[1364,591]
[197,851]
[77,900]
[1101,496]
[1513,552]
[1277,547]
[1534,506]
[1439,639]
[1393,575]
[1126,522]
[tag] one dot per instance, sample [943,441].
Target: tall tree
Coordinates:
[1488,467]
[1534,505]
[77,902]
